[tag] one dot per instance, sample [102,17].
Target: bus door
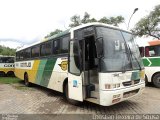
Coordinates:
[75,74]
[90,66]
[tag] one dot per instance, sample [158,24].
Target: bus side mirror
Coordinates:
[99,47]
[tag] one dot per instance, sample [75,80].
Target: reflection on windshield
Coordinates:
[116,53]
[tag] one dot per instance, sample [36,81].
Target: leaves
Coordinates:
[149,25]
[76,21]
[53,33]
[7,51]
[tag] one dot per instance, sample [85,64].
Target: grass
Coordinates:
[9,80]
[15,82]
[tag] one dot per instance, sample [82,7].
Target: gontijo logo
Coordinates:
[63,65]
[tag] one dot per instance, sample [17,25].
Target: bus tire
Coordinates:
[10,74]
[146,80]
[71,101]
[26,82]
[156,80]
[2,74]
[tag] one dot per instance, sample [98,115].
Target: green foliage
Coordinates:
[53,33]
[149,25]
[76,21]
[7,51]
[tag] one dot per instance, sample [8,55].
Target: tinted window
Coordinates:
[64,48]
[21,55]
[6,59]
[35,51]
[17,56]
[56,47]
[48,48]
[27,53]
[151,51]
[43,50]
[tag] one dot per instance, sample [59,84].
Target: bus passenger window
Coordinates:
[17,56]
[35,51]
[48,47]
[152,51]
[21,55]
[64,43]
[27,53]
[42,50]
[56,47]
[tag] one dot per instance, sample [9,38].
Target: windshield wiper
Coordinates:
[134,57]
[126,53]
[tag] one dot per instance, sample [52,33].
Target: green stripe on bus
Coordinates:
[151,62]
[40,71]
[48,71]
[135,75]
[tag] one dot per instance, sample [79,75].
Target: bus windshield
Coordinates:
[119,49]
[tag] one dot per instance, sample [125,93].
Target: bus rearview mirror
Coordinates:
[99,47]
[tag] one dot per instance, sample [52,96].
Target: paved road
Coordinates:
[17,99]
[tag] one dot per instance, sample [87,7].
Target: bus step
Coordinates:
[94,94]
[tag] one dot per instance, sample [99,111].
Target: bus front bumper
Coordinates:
[110,97]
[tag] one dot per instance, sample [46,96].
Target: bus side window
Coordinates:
[42,52]
[147,52]
[27,53]
[35,51]
[157,50]
[21,55]
[17,56]
[48,48]
[56,46]
[64,44]
[151,51]
[141,50]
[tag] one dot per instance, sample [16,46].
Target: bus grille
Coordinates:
[128,83]
[136,81]
[130,93]
[133,82]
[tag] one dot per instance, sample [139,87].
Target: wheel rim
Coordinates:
[158,80]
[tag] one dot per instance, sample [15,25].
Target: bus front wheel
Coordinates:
[66,93]
[156,80]
[26,82]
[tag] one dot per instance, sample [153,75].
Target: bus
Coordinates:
[150,53]
[6,66]
[93,62]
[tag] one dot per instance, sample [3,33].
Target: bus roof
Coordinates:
[69,31]
[150,43]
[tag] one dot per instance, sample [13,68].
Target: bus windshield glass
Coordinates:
[119,49]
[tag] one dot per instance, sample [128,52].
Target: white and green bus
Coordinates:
[150,53]
[6,66]
[93,62]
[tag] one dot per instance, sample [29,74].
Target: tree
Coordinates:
[7,51]
[149,25]
[53,33]
[76,21]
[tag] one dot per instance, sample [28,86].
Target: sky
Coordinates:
[28,21]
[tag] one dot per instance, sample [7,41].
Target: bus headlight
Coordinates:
[111,86]
[142,75]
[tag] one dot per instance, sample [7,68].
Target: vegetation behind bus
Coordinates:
[76,21]
[7,51]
